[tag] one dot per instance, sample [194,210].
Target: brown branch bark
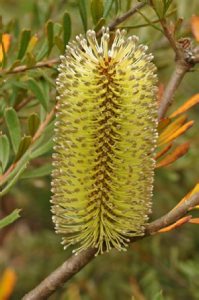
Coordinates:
[174,82]
[76,262]
[184,62]
[23,68]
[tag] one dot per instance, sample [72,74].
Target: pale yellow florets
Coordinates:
[105,136]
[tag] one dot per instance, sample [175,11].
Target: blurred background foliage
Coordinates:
[163,267]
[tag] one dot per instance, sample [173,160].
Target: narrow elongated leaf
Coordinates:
[38,172]
[66,28]
[171,128]
[33,124]
[177,133]
[23,146]
[163,124]
[163,151]
[30,59]
[44,148]
[10,218]
[83,13]
[175,225]
[4,151]
[14,128]
[158,296]
[13,180]
[20,165]
[43,51]
[97,9]
[186,106]
[37,91]
[174,155]
[50,35]
[32,43]
[44,84]
[99,24]
[159,7]
[194,221]
[59,43]
[23,44]
[107,7]
[46,137]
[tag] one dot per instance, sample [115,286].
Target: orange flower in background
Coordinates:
[7,283]
[195,27]
[187,105]
[170,129]
[6,38]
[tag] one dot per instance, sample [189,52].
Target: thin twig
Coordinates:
[174,82]
[169,35]
[76,262]
[23,68]
[124,17]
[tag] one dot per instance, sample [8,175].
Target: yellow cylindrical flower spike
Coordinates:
[105,136]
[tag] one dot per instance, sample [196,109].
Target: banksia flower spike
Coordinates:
[105,136]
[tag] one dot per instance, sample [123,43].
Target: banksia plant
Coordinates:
[105,137]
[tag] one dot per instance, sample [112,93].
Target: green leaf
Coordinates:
[107,7]
[57,29]
[159,296]
[33,124]
[23,146]
[117,6]
[97,9]
[14,176]
[10,218]
[167,5]
[160,7]
[45,138]
[99,25]
[4,151]
[50,35]
[59,43]
[14,128]
[38,172]
[45,147]
[37,91]
[30,59]
[66,28]
[43,51]
[23,44]
[149,21]
[83,13]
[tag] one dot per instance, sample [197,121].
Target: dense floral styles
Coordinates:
[105,137]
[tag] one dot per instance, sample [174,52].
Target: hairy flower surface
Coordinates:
[105,136]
